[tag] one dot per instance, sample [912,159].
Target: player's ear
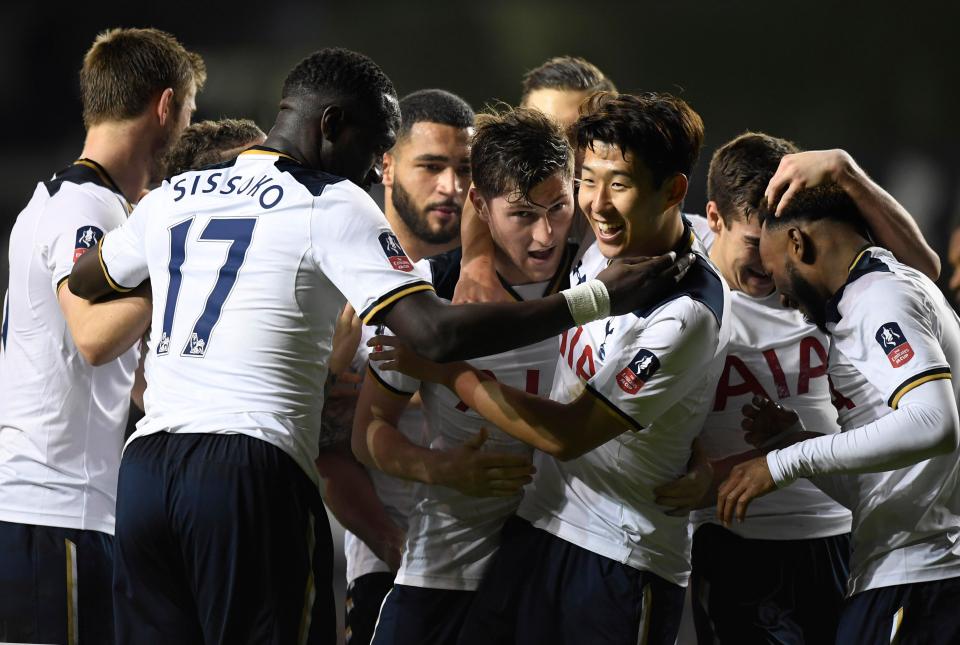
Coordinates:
[387,167]
[799,246]
[676,189]
[164,109]
[714,221]
[479,203]
[331,122]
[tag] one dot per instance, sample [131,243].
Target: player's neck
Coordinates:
[839,251]
[415,247]
[663,239]
[125,151]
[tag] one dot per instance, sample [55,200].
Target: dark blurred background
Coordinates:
[878,79]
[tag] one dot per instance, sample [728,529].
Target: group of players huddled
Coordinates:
[554,399]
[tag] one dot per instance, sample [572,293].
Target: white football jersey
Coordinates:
[892,330]
[61,420]
[452,537]
[775,353]
[249,263]
[656,369]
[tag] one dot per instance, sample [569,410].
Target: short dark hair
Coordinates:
[125,69]
[343,73]
[434,106]
[570,73]
[740,171]
[824,202]
[206,142]
[659,128]
[515,149]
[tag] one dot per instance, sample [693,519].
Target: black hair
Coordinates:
[343,73]
[824,202]
[434,106]
[516,149]
[740,171]
[566,73]
[659,128]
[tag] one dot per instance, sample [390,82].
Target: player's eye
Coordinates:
[432,167]
[585,181]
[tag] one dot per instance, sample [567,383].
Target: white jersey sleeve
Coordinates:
[900,349]
[355,248]
[660,363]
[123,254]
[81,220]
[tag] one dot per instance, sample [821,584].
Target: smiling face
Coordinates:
[736,252]
[426,177]
[630,216]
[529,234]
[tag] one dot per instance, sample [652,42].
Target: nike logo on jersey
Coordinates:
[87,238]
[391,246]
[894,344]
[640,370]
[269,196]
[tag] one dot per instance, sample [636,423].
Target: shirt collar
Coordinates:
[862,264]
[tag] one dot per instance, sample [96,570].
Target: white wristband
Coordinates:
[588,301]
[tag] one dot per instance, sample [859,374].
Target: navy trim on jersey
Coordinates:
[81,173]
[368,314]
[620,413]
[701,283]
[313,180]
[389,388]
[917,380]
[445,272]
[863,264]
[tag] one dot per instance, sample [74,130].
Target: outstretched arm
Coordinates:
[443,332]
[565,431]
[924,425]
[894,228]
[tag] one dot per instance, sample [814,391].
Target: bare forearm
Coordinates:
[890,222]
[540,423]
[351,497]
[392,453]
[105,330]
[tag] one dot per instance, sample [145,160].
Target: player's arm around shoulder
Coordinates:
[76,223]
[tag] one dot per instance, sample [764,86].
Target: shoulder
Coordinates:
[877,283]
[445,271]
[316,181]
[701,284]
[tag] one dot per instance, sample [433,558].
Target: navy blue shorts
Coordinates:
[922,613]
[767,591]
[362,606]
[419,616]
[55,585]
[542,589]
[220,539]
